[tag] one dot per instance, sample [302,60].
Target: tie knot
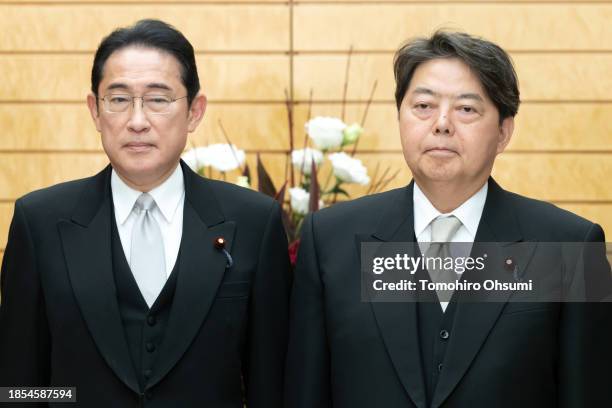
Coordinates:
[443,228]
[144,202]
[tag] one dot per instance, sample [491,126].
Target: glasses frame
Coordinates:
[142,104]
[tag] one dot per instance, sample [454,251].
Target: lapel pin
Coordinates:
[511,266]
[219,242]
[220,245]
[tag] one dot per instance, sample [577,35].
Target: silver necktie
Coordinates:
[442,231]
[147,259]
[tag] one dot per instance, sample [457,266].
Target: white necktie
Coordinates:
[147,259]
[442,231]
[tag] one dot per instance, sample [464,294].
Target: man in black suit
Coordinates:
[456,96]
[146,284]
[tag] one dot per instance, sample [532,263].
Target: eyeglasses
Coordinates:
[157,104]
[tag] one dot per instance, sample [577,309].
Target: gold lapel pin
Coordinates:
[512,266]
[219,243]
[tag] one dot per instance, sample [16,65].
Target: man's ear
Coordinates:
[92,104]
[196,111]
[505,133]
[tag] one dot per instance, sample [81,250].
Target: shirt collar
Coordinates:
[167,195]
[468,213]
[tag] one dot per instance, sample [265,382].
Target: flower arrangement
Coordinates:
[327,139]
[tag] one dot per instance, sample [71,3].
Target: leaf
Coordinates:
[247,172]
[280,196]
[313,204]
[290,227]
[338,190]
[264,182]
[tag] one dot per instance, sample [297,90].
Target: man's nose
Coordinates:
[443,125]
[138,119]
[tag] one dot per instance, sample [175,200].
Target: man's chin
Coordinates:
[141,169]
[439,174]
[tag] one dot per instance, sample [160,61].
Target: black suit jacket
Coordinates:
[59,317]
[347,353]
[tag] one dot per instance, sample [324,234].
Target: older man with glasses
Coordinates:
[146,285]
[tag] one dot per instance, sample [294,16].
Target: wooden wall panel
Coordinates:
[563,126]
[547,126]
[43,77]
[21,173]
[555,177]
[148,2]
[248,126]
[317,27]
[209,28]
[58,126]
[68,126]
[554,76]
[6,214]
[415,1]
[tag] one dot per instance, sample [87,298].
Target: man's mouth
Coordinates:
[441,151]
[138,146]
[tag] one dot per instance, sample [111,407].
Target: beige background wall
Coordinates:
[249,52]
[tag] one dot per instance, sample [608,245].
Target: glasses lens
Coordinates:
[117,103]
[157,103]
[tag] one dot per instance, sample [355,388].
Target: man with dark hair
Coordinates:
[456,96]
[146,285]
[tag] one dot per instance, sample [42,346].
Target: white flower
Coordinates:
[219,156]
[299,200]
[352,133]
[348,169]
[197,158]
[224,157]
[297,158]
[243,181]
[326,132]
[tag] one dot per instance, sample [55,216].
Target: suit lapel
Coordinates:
[86,240]
[202,268]
[397,321]
[474,320]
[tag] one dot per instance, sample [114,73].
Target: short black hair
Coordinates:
[154,34]
[489,62]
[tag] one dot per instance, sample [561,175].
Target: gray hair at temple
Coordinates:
[491,64]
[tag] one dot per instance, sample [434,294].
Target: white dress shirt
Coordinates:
[469,213]
[169,199]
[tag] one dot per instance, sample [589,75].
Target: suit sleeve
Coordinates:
[268,318]
[308,360]
[24,333]
[585,333]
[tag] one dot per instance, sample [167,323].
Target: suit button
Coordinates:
[147,373]
[151,320]
[444,334]
[150,347]
[440,367]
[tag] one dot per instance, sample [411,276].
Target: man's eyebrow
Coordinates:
[117,85]
[423,90]
[158,85]
[472,96]
[153,85]
[426,91]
